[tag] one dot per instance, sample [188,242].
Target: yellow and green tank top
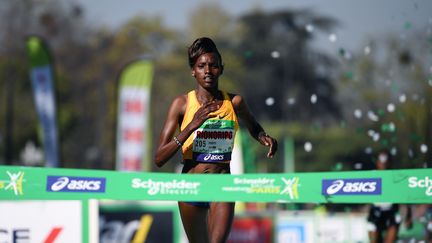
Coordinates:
[213,142]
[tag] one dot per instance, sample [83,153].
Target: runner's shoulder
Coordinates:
[179,103]
[237,100]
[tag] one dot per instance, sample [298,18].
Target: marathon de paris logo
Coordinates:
[291,187]
[14,183]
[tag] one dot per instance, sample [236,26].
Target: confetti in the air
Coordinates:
[308,146]
[270,101]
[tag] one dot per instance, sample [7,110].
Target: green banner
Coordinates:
[38,52]
[134,128]
[396,186]
[42,79]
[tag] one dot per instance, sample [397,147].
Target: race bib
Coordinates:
[214,141]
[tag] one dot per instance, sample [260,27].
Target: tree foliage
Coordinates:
[391,104]
[293,89]
[282,66]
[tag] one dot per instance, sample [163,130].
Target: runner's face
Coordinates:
[207,70]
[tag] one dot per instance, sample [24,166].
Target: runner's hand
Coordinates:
[270,142]
[204,113]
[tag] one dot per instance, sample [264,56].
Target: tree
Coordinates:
[391,105]
[87,64]
[20,19]
[284,70]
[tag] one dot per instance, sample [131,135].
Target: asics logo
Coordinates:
[213,157]
[70,183]
[360,186]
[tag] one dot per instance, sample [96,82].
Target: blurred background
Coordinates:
[333,81]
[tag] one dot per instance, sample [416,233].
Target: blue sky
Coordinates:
[359,18]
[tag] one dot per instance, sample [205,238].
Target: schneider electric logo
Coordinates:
[173,187]
[14,183]
[418,182]
[361,186]
[75,184]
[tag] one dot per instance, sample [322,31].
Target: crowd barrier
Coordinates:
[40,183]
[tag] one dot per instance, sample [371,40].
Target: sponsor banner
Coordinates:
[395,186]
[133,140]
[41,221]
[134,222]
[42,79]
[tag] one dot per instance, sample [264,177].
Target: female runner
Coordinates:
[207,119]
